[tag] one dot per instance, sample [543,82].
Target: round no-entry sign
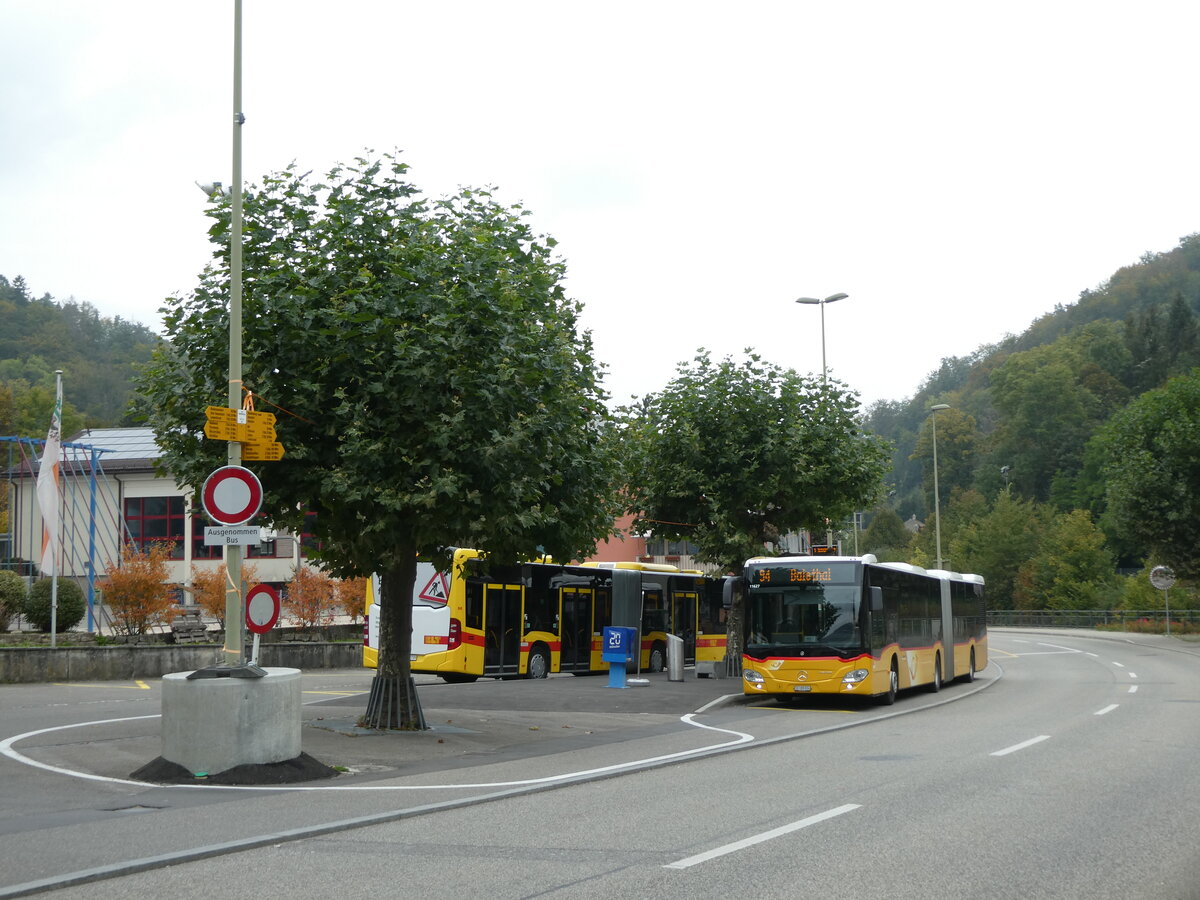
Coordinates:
[232,495]
[262,608]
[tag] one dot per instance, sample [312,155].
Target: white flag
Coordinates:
[47,488]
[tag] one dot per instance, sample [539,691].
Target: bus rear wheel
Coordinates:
[658,658]
[539,662]
[969,675]
[936,684]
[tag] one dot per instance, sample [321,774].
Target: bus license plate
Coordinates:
[801,688]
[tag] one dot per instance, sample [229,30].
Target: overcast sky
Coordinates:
[957,168]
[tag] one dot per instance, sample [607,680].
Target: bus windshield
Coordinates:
[804,619]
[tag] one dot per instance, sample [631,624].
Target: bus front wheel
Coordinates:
[539,662]
[889,696]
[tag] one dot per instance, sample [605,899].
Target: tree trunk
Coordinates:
[393,701]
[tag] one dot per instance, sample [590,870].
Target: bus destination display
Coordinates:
[803,573]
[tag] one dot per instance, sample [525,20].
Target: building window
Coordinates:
[659,547]
[151,520]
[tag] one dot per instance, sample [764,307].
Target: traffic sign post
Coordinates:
[262,612]
[232,495]
[255,431]
[1163,577]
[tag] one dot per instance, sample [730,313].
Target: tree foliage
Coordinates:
[98,355]
[137,588]
[208,587]
[432,384]
[1152,468]
[886,536]
[731,455]
[311,598]
[1071,567]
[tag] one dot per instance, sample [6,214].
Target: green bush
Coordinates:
[71,604]
[12,596]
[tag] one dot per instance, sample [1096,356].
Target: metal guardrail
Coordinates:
[1151,619]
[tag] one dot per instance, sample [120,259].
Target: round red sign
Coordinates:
[232,495]
[262,608]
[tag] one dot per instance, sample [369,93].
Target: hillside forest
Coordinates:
[1068,456]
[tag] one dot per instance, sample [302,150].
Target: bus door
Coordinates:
[503,619]
[684,606]
[654,628]
[576,622]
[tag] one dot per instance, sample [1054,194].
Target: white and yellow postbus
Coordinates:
[532,619]
[856,626]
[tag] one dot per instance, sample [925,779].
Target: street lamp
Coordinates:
[233,651]
[821,303]
[937,512]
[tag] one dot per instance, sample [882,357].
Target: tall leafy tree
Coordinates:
[886,536]
[997,542]
[432,384]
[1151,455]
[1070,567]
[731,455]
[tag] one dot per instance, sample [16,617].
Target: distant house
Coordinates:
[112,494]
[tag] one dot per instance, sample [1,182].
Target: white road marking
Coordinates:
[1021,746]
[1107,709]
[760,838]
[7,749]
[1060,647]
[1133,689]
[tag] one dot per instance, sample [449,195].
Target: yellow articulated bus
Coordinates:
[536,618]
[856,626]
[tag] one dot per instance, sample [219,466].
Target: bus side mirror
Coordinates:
[876,599]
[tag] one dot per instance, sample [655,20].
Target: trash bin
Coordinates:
[674,657]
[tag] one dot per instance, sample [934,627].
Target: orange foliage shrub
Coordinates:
[311,598]
[208,587]
[351,598]
[136,590]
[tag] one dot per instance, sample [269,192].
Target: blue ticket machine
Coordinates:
[617,650]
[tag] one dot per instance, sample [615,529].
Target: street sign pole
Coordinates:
[1163,577]
[234,649]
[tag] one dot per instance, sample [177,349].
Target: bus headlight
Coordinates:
[857,676]
[752,677]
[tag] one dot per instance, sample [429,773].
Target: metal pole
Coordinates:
[55,551]
[824,376]
[234,617]
[937,506]
[91,566]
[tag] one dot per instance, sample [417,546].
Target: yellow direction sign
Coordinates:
[260,452]
[245,426]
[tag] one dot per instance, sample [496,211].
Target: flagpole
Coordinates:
[52,449]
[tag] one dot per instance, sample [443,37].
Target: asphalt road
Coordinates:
[1068,770]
